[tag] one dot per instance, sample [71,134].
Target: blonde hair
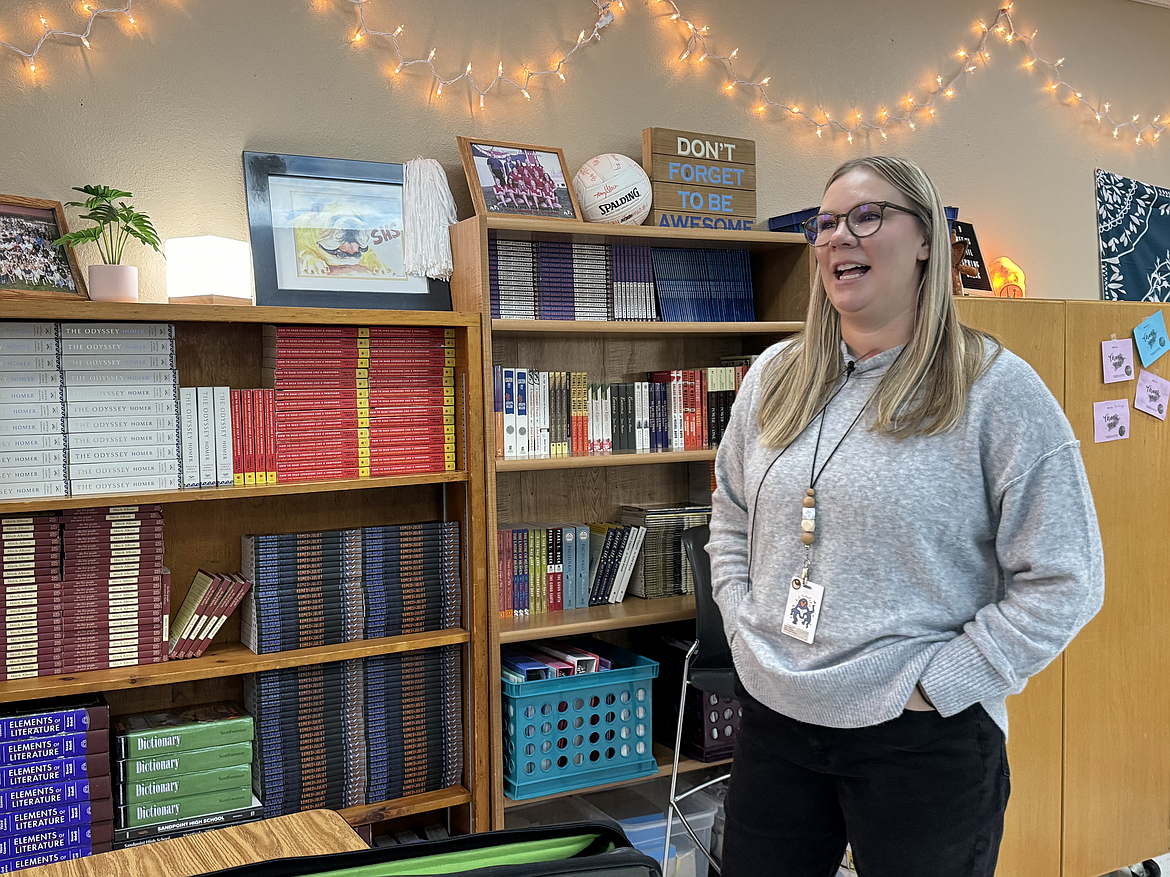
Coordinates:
[925,390]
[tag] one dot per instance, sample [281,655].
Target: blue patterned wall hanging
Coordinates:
[1133,222]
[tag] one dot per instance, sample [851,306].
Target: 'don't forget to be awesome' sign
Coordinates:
[700,180]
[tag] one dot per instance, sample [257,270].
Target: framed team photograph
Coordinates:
[328,232]
[31,265]
[518,179]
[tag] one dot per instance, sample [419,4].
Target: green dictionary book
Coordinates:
[197,727]
[238,776]
[153,767]
[171,809]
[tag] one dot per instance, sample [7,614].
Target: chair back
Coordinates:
[713,661]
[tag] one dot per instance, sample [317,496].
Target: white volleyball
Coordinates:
[613,188]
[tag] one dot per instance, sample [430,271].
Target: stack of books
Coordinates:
[32,412]
[704,285]
[553,567]
[548,280]
[86,590]
[253,434]
[209,603]
[553,280]
[356,402]
[122,406]
[208,427]
[182,771]
[55,790]
[549,659]
[322,588]
[563,414]
[117,589]
[663,569]
[357,732]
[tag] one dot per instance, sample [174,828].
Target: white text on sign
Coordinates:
[699,148]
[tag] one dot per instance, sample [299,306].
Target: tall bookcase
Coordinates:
[222,346]
[590,489]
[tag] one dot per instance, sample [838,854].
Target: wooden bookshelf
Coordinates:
[533,464]
[208,494]
[594,488]
[598,327]
[426,802]
[220,661]
[222,345]
[664,755]
[631,612]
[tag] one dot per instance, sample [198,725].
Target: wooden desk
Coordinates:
[312,833]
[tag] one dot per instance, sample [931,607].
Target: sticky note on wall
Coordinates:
[1151,339]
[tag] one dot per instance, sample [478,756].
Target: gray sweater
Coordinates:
[965,561]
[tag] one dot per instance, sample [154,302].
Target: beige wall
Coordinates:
[166,112]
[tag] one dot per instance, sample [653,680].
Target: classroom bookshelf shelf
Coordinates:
[219,661]
[426,802]
[631,612]
[222,345]
[208,494]
[175,312]
[664,755]
[533,464]
[590,489]
[600,327]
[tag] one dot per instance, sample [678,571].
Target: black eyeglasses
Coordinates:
[863,220]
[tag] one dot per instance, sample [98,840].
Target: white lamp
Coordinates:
[208,270]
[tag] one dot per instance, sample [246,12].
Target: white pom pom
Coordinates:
[427,209]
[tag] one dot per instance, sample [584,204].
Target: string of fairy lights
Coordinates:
[907,113]
[911,110]
[605,17]
[82,37]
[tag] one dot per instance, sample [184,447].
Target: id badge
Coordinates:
[803,610]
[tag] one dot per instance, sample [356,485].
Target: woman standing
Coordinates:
[902,534]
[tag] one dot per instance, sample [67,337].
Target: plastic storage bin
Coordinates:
[579,731]
[553,812]
[641,813]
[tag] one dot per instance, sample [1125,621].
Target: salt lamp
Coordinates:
[1007,278]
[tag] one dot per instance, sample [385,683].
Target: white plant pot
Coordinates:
[113,283]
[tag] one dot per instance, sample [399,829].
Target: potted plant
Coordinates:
[116,222]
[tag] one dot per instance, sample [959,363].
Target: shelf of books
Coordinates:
[611,358]
[207,494]
[605,327]
[620,458]
[322,470]
[612,616]
[423,802]
[220,661]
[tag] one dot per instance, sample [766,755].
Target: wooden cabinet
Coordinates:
[1090,742]
[593,488]
[218,345]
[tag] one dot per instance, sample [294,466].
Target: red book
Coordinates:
[237,439]
[234,594]
[206,589]
[270,434]
[248,428]
[260,421]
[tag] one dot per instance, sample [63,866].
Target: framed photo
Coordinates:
[518,179]
[30,265]
[327,232]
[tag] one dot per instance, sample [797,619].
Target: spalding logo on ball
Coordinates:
[613,188]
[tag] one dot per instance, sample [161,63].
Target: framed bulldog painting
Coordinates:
[328,232]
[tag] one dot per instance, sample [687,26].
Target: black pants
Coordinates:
[918,796]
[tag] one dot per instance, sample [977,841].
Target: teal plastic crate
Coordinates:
[579,731]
